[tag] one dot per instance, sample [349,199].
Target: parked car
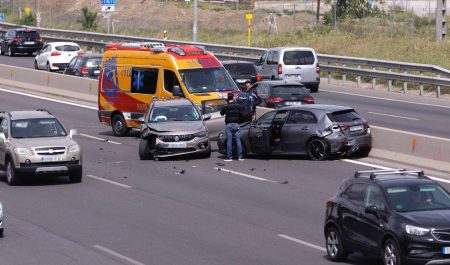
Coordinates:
[401,216]
[241,71]
[85,65]
[315,130]
[278,94]
[173,127]
[1,220]
[21,40]
[292,64]
[35,143]
[55,56]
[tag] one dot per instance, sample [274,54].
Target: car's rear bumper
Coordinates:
[349,144]
[26,49]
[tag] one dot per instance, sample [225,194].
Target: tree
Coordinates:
[88,20]
[27,20]
[353,9]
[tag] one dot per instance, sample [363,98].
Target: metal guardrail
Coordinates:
[372,68]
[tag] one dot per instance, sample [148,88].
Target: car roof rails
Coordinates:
[45,111]
[372,174]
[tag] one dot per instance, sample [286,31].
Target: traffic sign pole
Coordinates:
[249,17]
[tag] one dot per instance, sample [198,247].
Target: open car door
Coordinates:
[260,134]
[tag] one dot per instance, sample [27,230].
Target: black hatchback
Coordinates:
[401,216]
[86,65]
[241,71]
[278,94]
[21,40]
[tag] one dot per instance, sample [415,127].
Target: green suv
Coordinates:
[35,143]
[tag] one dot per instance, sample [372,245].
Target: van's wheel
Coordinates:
[11,175]
[391,253]
[314,89]
[10,52]
[75,177]
[318,149]
[335,248]
[119,125]
[144,151]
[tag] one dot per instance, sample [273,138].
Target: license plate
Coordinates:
[28,42]
[356,128]
[96,72]
[51,158]
[295,77]
[176,145]
[290,103]
[446,250]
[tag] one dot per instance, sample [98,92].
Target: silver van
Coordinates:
[292,64]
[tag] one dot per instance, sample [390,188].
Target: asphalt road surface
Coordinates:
[183,211]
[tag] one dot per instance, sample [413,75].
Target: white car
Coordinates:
[55,56]
[1,220]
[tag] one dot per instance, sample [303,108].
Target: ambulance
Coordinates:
[132,75]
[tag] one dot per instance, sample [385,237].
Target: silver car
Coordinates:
[173,127]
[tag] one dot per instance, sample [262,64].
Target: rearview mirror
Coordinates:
[177,91]
[372,209]
[206,117]
[72,132]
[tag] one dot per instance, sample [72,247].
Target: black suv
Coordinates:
[401,216]
[22,40]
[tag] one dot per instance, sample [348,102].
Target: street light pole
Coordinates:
[194,26]
[334,12]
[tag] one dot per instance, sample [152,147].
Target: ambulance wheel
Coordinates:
[119,125]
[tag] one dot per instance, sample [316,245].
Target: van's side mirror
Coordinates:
[141,120]
[72,132]
[206,117]
[177,91]
[2,137]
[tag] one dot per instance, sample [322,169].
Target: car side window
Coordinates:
[170,80]
[270,57]
[4,126]
[266,119]
[144,80]
[374,197]
[356,193]
[275,58]
[263,58]
[262,90]
[301,116]
[72,62]
[78,62]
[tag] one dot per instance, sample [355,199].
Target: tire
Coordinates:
[144,152]
[36,65]
[318,150]
[29,53]
[207,154]
[75,177]
[1,50]
[364,152]
[1,232]
[391,253]
[335,249]
[119,125]
[314,89]
[48,67]
[11,175]
[10,52]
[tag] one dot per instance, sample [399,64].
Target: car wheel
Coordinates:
[144,152]
[75,177]
[1,50]
[314,89]
[207,154]
[365,152]
[1,232]
[48,67]
[335,248]
[36,65]
[119,125]
[391,253]
[318,149]
[10,52]
[11,175]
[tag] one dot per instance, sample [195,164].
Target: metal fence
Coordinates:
[341,66]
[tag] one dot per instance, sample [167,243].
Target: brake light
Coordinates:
[309,100]
[366,122]
[330,202]
[318,68]
[17,40]
[280,69]
[55,54]
[274,100]
[80,52]
[39,40]
[259,77]
[345,126]
[84,70]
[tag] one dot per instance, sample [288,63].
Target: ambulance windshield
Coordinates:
[207,80]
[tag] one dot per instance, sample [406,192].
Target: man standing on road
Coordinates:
[248,100]
[232,128]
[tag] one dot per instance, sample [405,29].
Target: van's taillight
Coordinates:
[318,68]
[39,40]
[80,52]
[84,70]
[55,54]
[366,122]
[280,69]
[330,202]
[274,100]
[259,77]
[309,99]
[17,40]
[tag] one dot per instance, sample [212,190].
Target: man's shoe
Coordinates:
[228,160]
[241,159]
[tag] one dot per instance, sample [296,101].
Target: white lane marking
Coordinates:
[381,167]
[109,181]
[118,255]
[98,138]
[388,99]
[412,133]
[296,240]
[394,116]
[243,174]
[49,99]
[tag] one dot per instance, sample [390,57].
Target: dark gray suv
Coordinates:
[315,130]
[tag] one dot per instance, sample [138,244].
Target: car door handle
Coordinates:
[305,128]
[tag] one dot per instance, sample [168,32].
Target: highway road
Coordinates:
[183,211]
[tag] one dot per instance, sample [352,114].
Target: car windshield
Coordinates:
[289,90]
[67,48]
[418,197]
[28,34]
[207,80]
[298,58]
[34,128]
[94,62]
[174,113]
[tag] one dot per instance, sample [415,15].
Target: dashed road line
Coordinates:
[248,175]
[296,240]
[110,181]
[393,116]
[118,255]
[98,138]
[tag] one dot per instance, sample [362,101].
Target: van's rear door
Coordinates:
[298,65]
